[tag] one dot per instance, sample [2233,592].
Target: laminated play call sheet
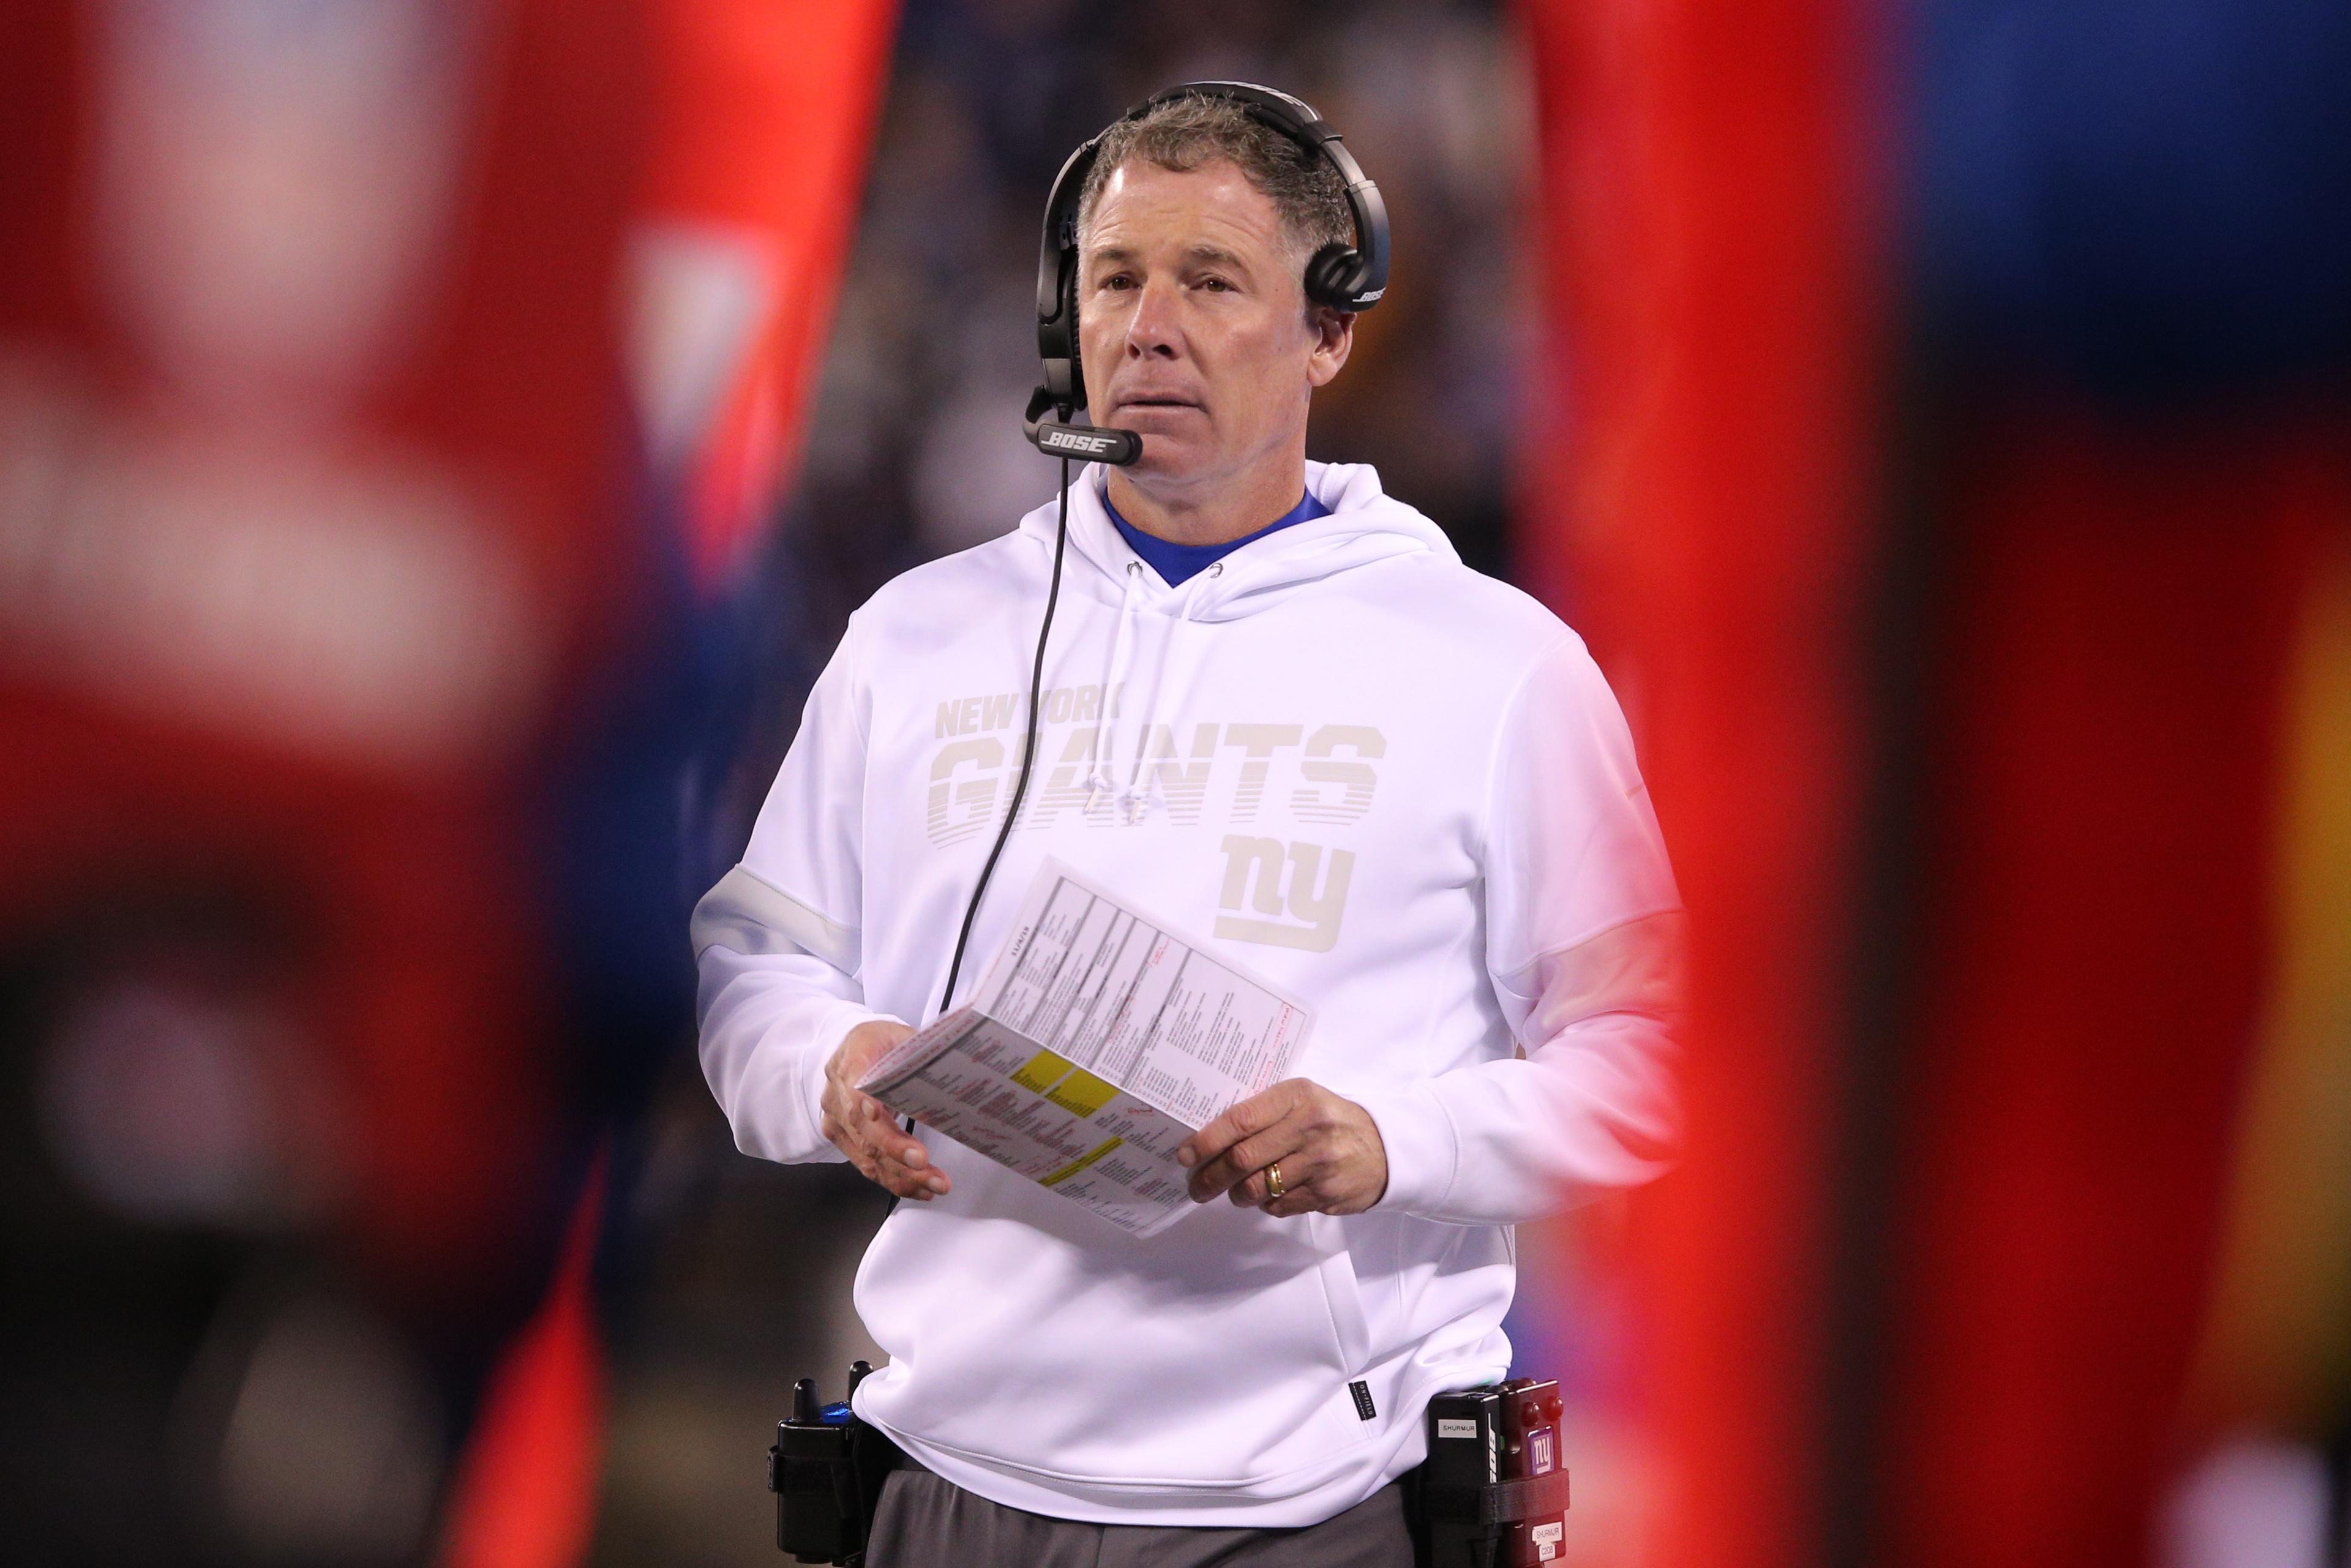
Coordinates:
[1098,1042]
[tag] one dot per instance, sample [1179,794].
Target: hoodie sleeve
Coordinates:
[1584,947]
[777,941]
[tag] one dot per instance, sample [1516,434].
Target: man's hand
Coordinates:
[1329,1149]
[861,1127]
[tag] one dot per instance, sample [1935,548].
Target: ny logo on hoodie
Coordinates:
[1314,895]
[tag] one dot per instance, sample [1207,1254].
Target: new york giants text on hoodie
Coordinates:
[1397,789]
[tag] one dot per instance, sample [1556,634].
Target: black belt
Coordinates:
[1502,1502]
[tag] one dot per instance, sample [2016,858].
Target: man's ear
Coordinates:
[1335,340]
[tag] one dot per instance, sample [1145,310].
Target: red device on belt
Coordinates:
[1531,1447]
[1492,1493]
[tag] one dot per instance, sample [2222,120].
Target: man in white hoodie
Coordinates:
[1279,712]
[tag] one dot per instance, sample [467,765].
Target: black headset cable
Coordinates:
[1028,749]
[1028,757]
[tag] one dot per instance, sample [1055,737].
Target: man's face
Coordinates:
[1192,321]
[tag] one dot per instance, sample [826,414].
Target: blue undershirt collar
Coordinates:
[1177,563]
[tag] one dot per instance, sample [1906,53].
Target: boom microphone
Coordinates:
[1082,443]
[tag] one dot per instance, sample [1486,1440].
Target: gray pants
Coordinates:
[926,1522]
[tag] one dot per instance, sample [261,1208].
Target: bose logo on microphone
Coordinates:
[1078,441]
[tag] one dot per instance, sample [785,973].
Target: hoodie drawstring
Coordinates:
[1124,797]
[1134,796]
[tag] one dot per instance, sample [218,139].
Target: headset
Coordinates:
[1341,277]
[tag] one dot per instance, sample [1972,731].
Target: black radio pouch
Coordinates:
[1492,1492]
[826,1469]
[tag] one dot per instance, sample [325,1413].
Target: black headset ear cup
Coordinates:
[1332,277]
[1077,353]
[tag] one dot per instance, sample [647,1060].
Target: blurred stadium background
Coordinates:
[441,439]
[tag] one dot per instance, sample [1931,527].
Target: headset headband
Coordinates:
[1344,278]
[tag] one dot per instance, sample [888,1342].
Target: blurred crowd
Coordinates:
[395,636]
[913,445]
[441,440]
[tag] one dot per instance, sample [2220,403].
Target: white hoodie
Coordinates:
[1397,789]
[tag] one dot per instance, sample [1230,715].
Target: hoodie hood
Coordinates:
[1364,525]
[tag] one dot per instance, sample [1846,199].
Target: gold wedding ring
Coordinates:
[1273,1181]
